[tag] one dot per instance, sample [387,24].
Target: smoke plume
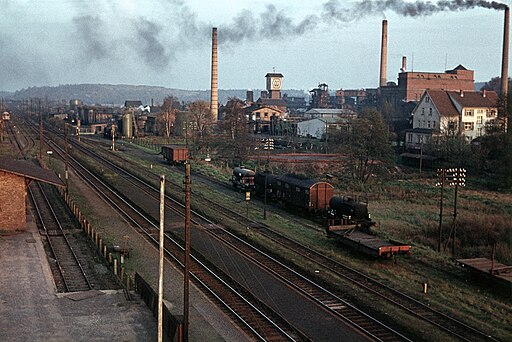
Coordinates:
[148,45]
[334,11]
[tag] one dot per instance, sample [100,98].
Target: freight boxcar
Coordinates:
[304,194]
[175,154]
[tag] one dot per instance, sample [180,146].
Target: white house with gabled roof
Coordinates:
[441,112]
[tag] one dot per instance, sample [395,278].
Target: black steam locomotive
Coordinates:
[346,210]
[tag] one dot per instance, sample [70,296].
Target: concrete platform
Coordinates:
[32,310]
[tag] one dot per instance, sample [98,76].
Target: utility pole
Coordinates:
[440,174]
[269,145]
[40,132]
[187,254]
[161,268]
[457,179]
[66,159]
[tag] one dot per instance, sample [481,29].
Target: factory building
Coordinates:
[412,84]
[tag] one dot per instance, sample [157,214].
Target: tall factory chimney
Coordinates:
[214,101]
[383,53]
[404,64]
[504,59]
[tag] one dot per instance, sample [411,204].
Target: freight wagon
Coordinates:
[175,154]
[304,194]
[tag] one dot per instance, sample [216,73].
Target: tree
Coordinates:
[202,117]
[239,141]
[167,115]
[369,145]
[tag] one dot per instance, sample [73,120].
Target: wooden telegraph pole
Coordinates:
[66,160]
[187,254]
[40,132]
[441,175]
[161,268]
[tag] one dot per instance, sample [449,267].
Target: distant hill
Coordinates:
[117,94]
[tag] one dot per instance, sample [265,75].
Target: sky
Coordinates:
[168,42]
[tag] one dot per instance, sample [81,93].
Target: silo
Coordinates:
[127,125]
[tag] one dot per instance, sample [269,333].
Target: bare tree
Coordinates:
[202,117]
[235,124]
[369,145]
[168,115]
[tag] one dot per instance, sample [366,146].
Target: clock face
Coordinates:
[276,84]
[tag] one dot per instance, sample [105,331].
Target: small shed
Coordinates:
[15,176]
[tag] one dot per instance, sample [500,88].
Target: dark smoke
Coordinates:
[91,31]
[334,11]
[148,45]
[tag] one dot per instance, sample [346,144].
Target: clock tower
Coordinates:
[274,85]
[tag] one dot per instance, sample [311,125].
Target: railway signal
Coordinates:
[268,145]
[454,177]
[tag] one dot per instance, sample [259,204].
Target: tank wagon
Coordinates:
[243,179]
[175,154]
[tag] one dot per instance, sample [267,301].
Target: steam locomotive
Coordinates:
[304,194]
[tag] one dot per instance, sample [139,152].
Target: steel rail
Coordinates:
[149,235]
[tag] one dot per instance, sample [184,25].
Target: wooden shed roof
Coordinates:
[27,169]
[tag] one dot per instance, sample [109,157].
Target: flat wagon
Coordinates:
[360,240]
[175,154]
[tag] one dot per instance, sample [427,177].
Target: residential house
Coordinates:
[440,113]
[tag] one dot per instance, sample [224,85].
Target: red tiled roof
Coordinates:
[443,103]
[475,98]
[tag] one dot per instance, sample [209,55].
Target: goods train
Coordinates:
[348,220]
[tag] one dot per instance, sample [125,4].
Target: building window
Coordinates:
[427,99]
[430,111]
[422,111]
[491,113]
[266,114]
[468,113]
[479,131]
[479,119]
[452,125]
[469,126]
[433,124]
[428,124]
[409,137]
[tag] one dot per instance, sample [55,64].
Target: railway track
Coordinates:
[329,301]
[414,307]
[257,320]
[68,271]
[442,321]
[448,324]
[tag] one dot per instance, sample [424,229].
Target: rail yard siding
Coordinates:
[12,201]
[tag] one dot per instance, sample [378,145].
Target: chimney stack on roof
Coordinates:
[383,53]
[461,93]
[404,64]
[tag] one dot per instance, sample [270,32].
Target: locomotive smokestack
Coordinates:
[384,53]
[214,101]
[504,60]
[404,64]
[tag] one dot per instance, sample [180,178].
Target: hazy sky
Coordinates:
[168,42]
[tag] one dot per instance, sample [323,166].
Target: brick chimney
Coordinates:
[214,100]
[384,54]
[504,59]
